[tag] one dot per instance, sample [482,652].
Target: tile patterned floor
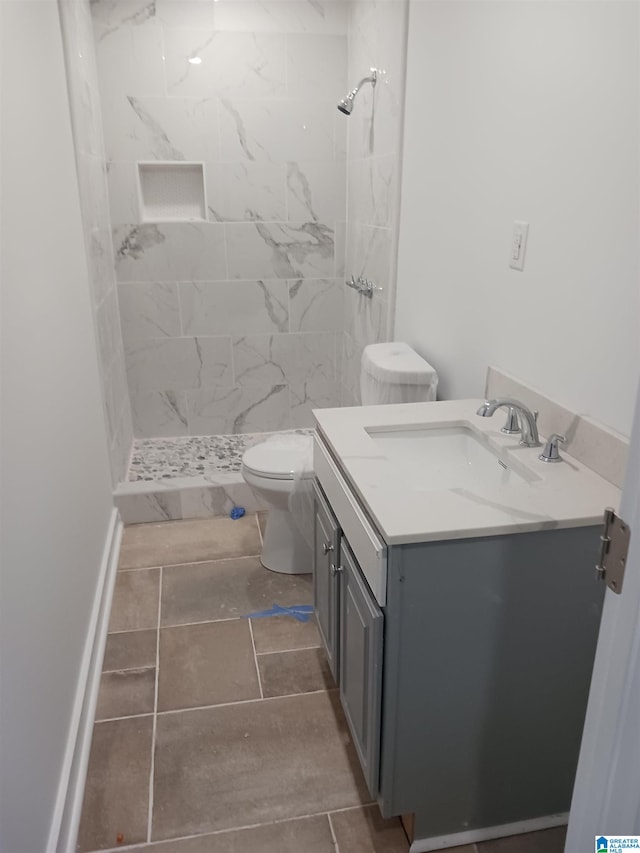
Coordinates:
[218,733]
[192,456]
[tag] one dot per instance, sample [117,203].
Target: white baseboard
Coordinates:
[66,816]
[425,845]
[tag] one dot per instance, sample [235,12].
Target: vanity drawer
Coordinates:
[368,548]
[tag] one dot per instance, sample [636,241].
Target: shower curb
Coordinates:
[178,498]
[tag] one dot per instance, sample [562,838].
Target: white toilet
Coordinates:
[394,373]
[272,469]
[390,373]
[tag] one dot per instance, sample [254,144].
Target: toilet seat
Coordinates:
[280,457]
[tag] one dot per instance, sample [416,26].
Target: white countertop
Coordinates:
[566,494]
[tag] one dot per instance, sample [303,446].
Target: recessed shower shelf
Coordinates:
[171,191]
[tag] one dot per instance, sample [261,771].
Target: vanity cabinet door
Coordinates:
[326,586]
[361,638]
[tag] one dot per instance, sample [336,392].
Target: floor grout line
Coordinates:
[132,631]
[215,832]
[204,622]
[136,569]
[155,714]
[244,702]
[191,563]
[248,617]
[128,717]
[286,651]
[213,560]
[255,659]
[261,698]
[259,530]
[366,805]
[333,834]
[178,625]
[129,668]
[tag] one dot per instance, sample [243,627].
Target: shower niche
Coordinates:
[171,191]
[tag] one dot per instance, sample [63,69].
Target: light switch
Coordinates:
[518,245]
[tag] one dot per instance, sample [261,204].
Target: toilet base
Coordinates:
[284,549]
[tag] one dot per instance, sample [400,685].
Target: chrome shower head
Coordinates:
[346,104]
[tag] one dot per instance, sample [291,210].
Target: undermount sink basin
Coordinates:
[445,458]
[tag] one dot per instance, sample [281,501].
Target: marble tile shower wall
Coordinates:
[377,38]
[233,324]
[82,81]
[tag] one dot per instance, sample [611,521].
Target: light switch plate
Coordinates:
[518,245]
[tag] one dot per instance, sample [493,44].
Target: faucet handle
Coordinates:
[550,452]
[512,424]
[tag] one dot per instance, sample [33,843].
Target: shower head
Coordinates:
[346,104]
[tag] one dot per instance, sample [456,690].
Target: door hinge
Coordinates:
[614,547]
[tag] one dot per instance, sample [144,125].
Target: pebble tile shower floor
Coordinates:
[218,733]
[193,456]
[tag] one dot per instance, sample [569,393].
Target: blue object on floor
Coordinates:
[301,612]
[237,512]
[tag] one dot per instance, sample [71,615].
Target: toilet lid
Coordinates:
[281,457]
[396,362]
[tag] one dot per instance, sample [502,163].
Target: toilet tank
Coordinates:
[394,373]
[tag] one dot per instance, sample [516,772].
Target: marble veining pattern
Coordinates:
[82,80]
[407,505]
[246,191]
[281,250]
[247,64]
[165,148]
[156,128]
[280,130]
[236,86]
[171,251]
[194,456]
[109,17]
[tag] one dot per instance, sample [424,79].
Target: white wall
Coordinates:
[55,483]
[527,111]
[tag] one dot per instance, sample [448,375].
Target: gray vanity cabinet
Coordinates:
[488,652]
[463,664]
[361,637]
[326,585]
[350,625]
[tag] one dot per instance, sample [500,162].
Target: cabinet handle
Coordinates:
[326,548]
[335,570]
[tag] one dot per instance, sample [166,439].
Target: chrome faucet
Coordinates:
[528,418]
